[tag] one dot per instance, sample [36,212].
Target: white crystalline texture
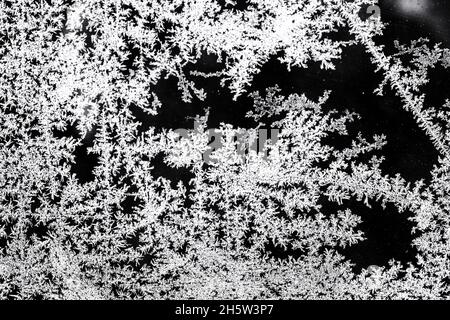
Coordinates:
[69,93]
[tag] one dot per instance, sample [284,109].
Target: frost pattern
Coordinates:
[128,234]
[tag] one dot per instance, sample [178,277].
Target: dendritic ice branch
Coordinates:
[85,75]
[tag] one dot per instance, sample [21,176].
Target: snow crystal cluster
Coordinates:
[127,233]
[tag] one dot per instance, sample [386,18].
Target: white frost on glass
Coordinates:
[129,234]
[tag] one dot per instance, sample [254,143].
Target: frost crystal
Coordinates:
[74,75]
